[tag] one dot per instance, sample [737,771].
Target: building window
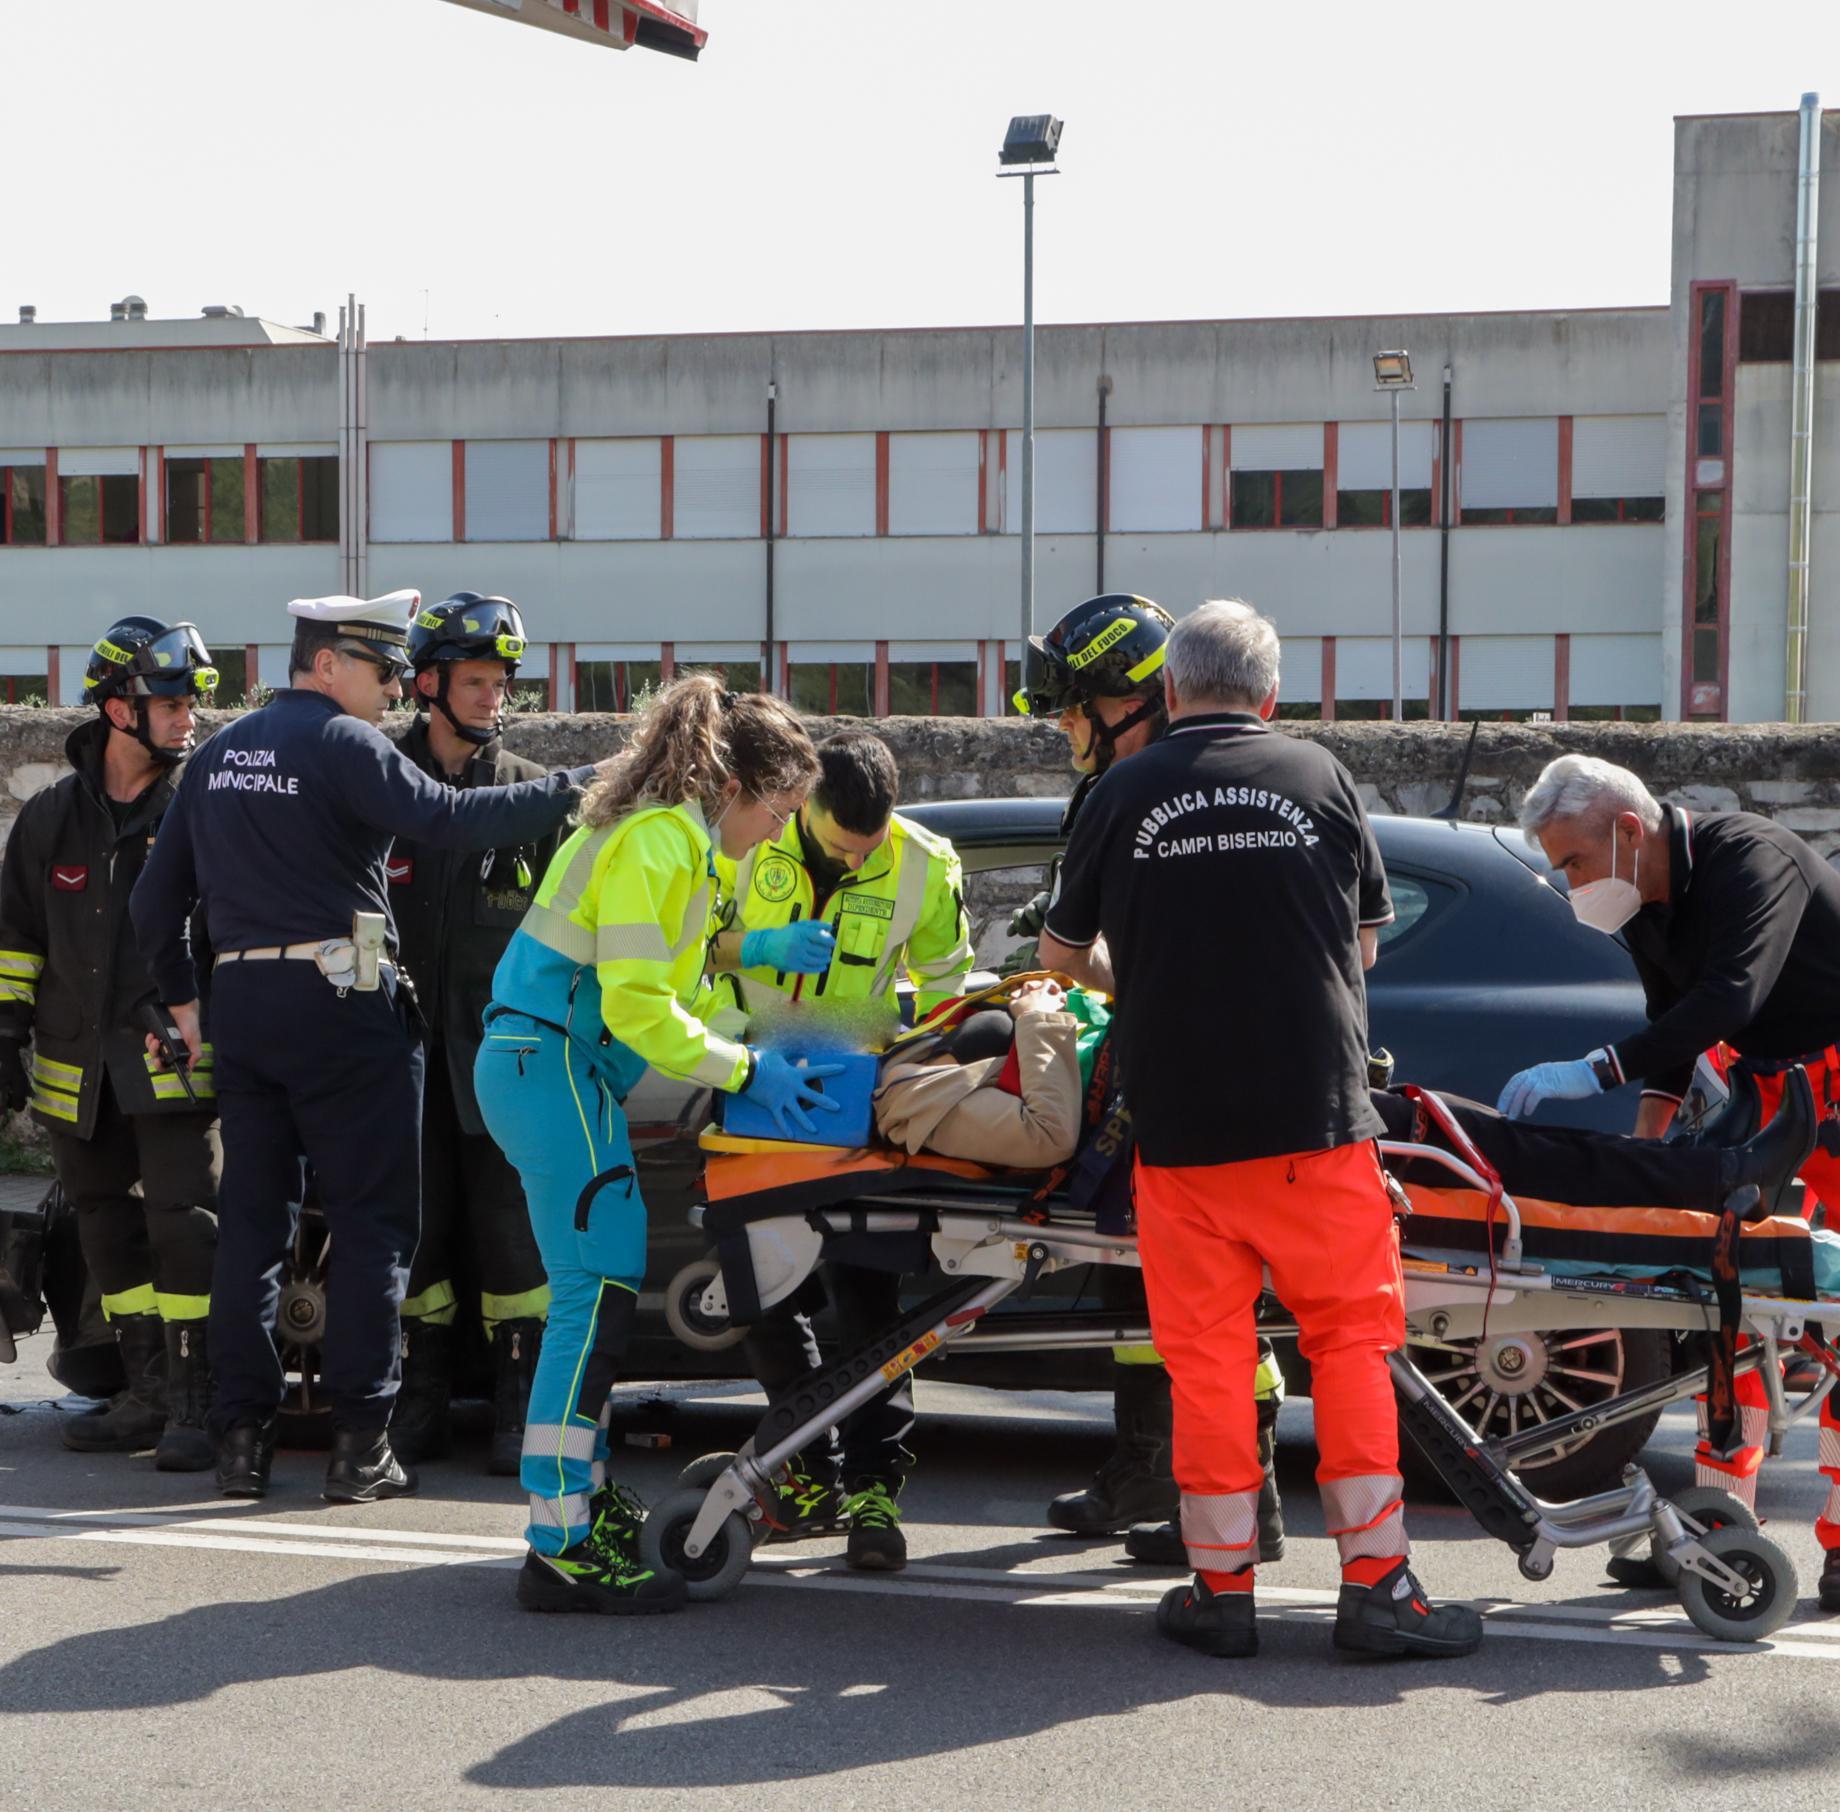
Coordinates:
[1510,471]
[1619,509]
[1277,499]
[299,498]
[529,694]
[99,509]
[1766,326]
[833,688]
[615,685]
[507,490]
[1708,539]
[1378,710]
[1615,714]
[232,666]
[737,676]
[932,688]
[1374,509]
[204,499]
[24,689]
[22,506]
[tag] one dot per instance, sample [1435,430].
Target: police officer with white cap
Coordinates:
[281,829]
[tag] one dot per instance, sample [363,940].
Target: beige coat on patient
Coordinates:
[958,1111]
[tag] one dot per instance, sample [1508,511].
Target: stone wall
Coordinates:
[1790,774]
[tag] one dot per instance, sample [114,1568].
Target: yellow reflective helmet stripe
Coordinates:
[1147,666]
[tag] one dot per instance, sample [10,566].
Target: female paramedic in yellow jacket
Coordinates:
[605,976]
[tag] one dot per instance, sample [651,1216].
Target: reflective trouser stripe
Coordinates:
[571,1441]
[1366,1515]
[1136,1355]
[437,1305]
[138,1301]
[526,1305]
[1221,1532]
[181,1308]
[569,1514]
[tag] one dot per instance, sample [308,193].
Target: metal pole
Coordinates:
[1801,417]
[769,679]
[1399,710]
[1444,692]
[1028,415]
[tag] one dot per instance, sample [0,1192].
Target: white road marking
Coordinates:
[1653,1625]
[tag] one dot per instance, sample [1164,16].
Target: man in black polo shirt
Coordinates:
[1246,1046]
[1734,924]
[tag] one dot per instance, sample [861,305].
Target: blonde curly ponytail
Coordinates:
[693,739]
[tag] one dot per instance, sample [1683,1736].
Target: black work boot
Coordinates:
[1772,1158]
[1394,1617]
[603,1572]
[515,1346]
[1829,1589]
[134,1418]
[186,1446]
[363,1468]
[244,1457]
[1161,1544]
[805,1502]
[419,1427]
[876,1544]
[1133,1483]
[1222,1623]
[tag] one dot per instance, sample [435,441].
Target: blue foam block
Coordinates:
[851,1125]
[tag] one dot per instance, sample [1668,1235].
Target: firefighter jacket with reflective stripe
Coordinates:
[902,911]
[71,976]
[614,950]
[455,912]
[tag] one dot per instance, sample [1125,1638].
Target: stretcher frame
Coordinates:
[989,1252]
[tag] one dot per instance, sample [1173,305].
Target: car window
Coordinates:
[1416,902]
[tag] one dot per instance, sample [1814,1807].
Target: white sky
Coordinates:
[829,162]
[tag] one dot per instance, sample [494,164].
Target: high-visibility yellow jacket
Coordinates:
[617,936]
[903,910]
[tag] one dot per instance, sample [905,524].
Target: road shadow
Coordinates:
[780,1681]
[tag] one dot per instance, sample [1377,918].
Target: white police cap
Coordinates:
[385,620]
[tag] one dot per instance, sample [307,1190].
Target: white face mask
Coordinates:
[1609,905]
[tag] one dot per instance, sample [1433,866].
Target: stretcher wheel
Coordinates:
[699,1475]
[1707,1505]
[684,1313]
[1764,1609]
[718,1569]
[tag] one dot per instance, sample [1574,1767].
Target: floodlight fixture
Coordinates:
[1032,138]
[1393,371]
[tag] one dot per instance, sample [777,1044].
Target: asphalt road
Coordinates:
[160,1649]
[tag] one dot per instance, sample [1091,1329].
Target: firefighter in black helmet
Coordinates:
[134,1141]
[1100,671]
[455,912]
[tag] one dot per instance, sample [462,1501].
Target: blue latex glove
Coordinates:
[1576,1081]
[784,1090]
[802,948]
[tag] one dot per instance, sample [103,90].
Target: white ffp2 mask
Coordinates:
[1610,904]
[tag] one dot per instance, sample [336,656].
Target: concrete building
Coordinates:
[1604,529]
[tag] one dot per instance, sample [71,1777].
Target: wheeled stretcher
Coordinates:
[1475,1261]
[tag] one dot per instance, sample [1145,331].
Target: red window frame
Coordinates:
[1277,475]
[1708,698]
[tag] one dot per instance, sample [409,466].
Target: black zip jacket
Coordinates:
[1745,951]
[71,976]
[455,912]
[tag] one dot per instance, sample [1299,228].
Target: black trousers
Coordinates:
[149,1251]
[1567,1164]
[782,1350]
[304,1077]
[472,1202]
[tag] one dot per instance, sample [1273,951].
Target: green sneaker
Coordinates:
[803,1504]
[603,1571]
[876,1542]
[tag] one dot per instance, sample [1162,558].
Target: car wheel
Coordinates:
[1510,1383]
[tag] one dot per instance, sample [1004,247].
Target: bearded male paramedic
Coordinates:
[281,828]
[1247,1058]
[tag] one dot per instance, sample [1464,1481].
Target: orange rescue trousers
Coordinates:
[1737,1471]
[1322,1222]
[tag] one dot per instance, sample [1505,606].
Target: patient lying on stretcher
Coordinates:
[1002,1087]
[1606,1170]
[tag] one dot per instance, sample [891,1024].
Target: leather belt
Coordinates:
[291,953]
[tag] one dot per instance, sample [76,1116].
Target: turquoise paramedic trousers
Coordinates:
[554,1115]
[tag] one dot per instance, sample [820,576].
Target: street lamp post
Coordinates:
[1028,151]
[1393,374]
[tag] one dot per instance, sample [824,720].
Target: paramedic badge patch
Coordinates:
[774,879]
